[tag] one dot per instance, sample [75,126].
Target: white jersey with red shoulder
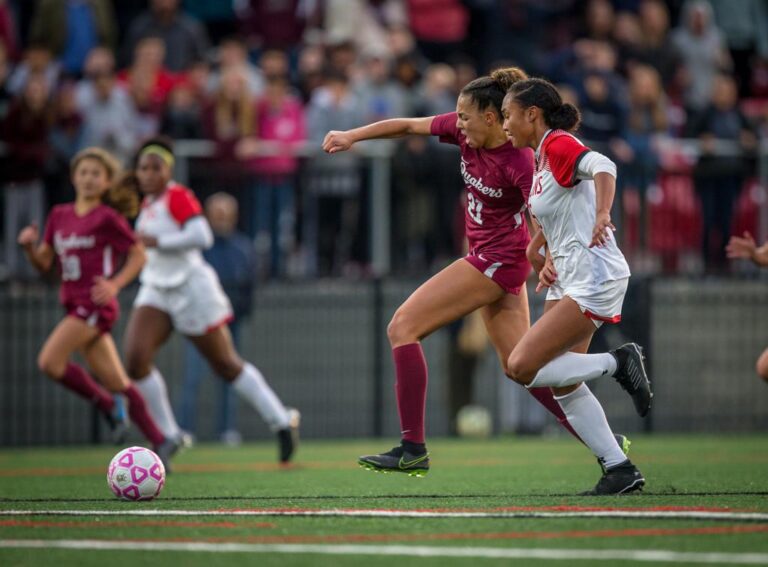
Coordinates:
[498,181]
[162,214]
[564,203]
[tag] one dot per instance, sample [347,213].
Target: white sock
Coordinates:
[586,416]
[155,392]
[571,368]
[252,386]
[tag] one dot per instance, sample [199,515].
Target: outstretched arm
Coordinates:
[339,141]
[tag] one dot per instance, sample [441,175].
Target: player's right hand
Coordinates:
[29,235]
[337,141]
[741,247]
[547,275]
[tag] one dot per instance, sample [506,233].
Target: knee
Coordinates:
[228,367]
[401,330]
[519,369]
[51,367]
[137,366]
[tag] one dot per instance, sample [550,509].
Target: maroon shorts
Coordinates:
[102,317]
[510,277]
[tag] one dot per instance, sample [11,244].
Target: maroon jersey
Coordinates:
[498,182]
[87,246]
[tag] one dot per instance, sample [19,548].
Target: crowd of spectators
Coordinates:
[265,80]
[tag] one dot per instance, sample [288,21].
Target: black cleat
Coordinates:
[397,460]
[621,479]
[288,438]
[631,375]
[165,451]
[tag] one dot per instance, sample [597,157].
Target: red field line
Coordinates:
[568,534]
[143,524]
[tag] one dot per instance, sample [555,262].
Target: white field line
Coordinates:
[625,514]
[647,555]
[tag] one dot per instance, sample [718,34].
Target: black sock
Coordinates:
[414,448]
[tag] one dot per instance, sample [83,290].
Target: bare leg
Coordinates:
[148,329]
[219,350]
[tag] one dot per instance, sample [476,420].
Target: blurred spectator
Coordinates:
[5,73]
[25,130]
[381,96]
[363,23]
[271,25]
[232,53]
[182,117]
[310,70]
[9,36]
[229,116]
[66,139]
[599,20]
[719,174]
[647,119]
[333,182]
[186,40]
[702,50]
[280,129]
[436,93]
[71,28]
[109,116]
[657,48]
[603,116]
[218,17]
[746,32]
[148,69]
[628,38]
[439,26]
[37,60]
[232,256]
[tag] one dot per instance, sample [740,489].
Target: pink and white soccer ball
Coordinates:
[136,473]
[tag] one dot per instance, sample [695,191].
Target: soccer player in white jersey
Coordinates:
[180,291]
[586,273]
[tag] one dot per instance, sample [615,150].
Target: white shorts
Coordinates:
[196,307]
[601,304]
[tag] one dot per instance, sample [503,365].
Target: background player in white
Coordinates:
[180,290]
[586,273]
[746,248]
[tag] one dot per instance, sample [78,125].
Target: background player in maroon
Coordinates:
[87,238]
[492,276]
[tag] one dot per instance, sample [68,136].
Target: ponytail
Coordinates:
[542,94]
[489,91]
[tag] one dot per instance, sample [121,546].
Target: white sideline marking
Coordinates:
[404,550]
[626,514]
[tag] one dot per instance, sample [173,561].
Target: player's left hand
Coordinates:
[148,240]
[601,234]
[103,291]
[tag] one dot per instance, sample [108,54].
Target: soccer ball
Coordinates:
[136,473]
[474,421]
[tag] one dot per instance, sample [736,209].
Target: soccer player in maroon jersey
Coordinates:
[491,277]
[746,248]
[585,273]
[87,238]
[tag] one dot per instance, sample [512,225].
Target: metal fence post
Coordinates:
[377,364]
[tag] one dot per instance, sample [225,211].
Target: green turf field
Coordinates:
[503,486]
